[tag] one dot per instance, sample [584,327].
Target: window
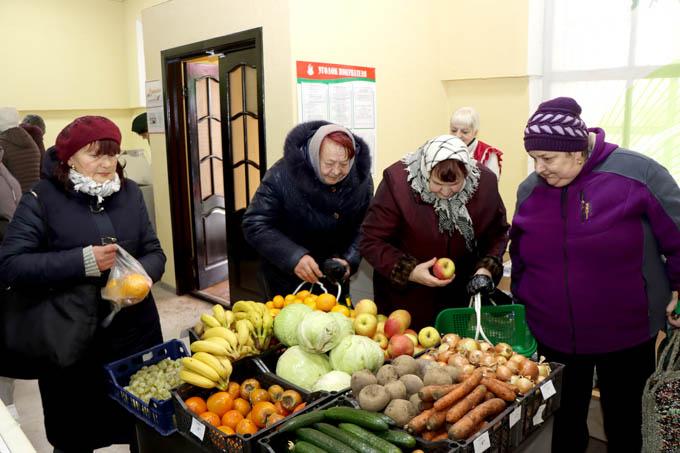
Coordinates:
[620,59]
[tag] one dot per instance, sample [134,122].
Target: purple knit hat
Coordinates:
[556,126]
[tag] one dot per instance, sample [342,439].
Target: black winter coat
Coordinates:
[78,413]
[294,214]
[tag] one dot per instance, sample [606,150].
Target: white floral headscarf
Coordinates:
[452,212]
[89,186]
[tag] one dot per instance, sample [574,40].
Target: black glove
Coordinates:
[334,270]
[482,284]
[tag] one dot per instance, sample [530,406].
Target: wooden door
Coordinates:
[204,118]
[240,73]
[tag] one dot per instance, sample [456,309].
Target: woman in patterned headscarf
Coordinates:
[436,202]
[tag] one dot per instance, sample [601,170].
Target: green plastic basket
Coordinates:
[501,323]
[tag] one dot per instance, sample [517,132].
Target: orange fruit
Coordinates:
[246,426]
[344,309]
[269,304]
[278,301]
[231,418]
[258,395]
[273,418]
[274,312]
[325,302]
[135,286]
[261,412]
[234,389]
[310,302]
[211,418]
[302,294]
[299,407]
[220,402]
[227,430]
[242,406]
[196,404]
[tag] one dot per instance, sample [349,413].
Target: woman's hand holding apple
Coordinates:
[307,269]
[421,274]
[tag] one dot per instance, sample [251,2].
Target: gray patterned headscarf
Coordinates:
[452,212]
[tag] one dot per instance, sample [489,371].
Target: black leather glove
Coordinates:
[482,284]
[334,271]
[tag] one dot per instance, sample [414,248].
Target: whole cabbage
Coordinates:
[286,323]
[345,324]
[356,352]
[302,368]
[334,381]
[318,332]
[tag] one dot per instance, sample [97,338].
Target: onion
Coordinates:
[443,347]
[488,359]
[501,360]
[544,370]
[503,373]
[458,360]
[524,385]
[514,378]
[518,359]
[451,339]
[540,379]
[468,369]
[504,349]
[466,345]
[529,369]
[475,357]
[484,346]
[444,356]
[441,363]
[488,372]
[426,356]
[512,366]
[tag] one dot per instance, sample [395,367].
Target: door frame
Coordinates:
[179,183]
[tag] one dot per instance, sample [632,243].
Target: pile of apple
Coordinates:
[392,332]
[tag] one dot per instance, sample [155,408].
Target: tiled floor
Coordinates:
[177,313]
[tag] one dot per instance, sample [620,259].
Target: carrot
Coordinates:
[459,392]
[428,392]
[465,427]
[428,435]
[417,423]
[436,420]
[442,435]
[424,405]
[499,389]
[465,405]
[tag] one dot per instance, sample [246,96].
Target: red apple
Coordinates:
[411,331]
[413,337]
[400,345]
[393,327]
[403,316]
[381,339]
[365,324]
[444,268]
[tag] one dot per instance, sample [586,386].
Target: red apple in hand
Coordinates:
[400,345]
[444,268]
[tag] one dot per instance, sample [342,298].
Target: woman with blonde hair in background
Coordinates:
[465,126]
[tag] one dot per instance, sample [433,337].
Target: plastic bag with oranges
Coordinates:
[128,283]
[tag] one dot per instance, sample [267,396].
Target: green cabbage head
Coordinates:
[318,332]
[356,352]
[286,323]
[302,368]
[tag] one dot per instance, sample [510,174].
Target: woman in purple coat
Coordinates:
[595,248]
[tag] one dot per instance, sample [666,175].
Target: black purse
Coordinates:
[45,329]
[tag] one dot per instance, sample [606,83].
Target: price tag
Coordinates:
[538,417]
[548,389]
[482,443]
[515,416]
[197,428]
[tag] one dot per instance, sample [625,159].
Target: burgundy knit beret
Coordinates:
[83,131]
[556,126]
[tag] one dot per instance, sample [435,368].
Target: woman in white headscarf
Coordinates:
[434,203]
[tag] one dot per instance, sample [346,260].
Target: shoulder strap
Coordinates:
[43,215]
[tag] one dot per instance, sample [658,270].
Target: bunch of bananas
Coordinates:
[205,369]
[245,330]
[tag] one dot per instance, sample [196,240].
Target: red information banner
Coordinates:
[320,72]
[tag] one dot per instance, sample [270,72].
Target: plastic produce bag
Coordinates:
[128,284]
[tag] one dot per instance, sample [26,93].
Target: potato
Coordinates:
[454,372]
[387,373]
[419,404]
[401,411]
[361,379]
[374,398]
[396,389]
[424,365]
[437,376]
[412,382]
[405,364]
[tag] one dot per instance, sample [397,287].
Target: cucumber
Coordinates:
[366,419]
[387,419]
[381,444]
[346,437]
[302,420]
[305,447]
[324,441]
[398,438]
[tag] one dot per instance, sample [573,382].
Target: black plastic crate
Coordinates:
[278,442]
[157,414]
[213,440]
[532,402]
[495,437]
